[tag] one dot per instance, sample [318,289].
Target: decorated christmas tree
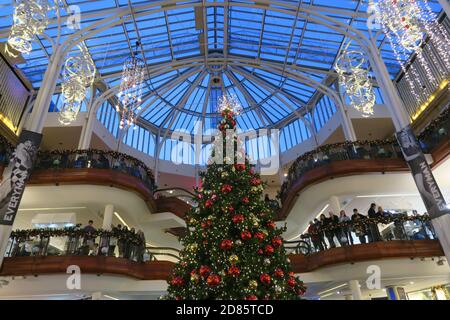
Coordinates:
[233,249]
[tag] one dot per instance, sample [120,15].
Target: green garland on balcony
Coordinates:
[112,154]
[366,222]
[76,232]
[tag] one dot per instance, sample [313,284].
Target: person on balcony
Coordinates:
[320,233]
[374,233]
[119,231]
[314,233]
[89,237]
[344,221]
[359,225]
[328,225]
[140,248]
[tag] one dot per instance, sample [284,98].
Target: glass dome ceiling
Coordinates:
[271,55]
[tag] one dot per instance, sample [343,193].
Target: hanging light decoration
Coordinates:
[78,74]
[229,103]
[407,24]
[130,95]
[352,69]
[30,18]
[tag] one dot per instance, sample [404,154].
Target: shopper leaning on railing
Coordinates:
[395,227]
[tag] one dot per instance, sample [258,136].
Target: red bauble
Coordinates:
[239,167]
[252,171]
[208,203]
[276,242]
[260,251]
[255,182]
[246,235]
[230,209]
[221,127]
[291,273]
[213,280]
[178,298]
[265,278]
[291,282]
[279,273]
[245,200]
[203,225]
[269,249]
[260,236]
[177,281]
[233,122]
[204,271]
[300,292]
[238,218]
[200,196]
[271,224]
[226,244]
[234,271]
[251,297]
[226,188]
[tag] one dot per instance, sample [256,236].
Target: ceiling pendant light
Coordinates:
[30,18]
[78,75]
[406,24]
[130,94]
[352,69]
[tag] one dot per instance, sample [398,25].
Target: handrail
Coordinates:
[364,150]
[82,242]
[434,134]
[99,159]
[322,235]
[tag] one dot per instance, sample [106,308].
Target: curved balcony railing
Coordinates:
[95,159]
[325,235]
[79,242]
[436,134]
[324,155]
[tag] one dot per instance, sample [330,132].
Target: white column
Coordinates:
[335,205]
[401,120]
[347,125]
[356,290]
[107,217]
[44,97]
[36,123]
[97,296]
[446,6]
[86,133]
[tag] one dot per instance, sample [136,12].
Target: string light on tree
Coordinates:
[352,69]
[130,95]
[30,18]
[226,254]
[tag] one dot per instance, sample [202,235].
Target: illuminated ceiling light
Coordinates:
[121,219]
[406,24]
[78,74]
[30,18]
[352,69]
[229,103]
[130,95]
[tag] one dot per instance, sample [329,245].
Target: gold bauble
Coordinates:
[233,258]
[253,284]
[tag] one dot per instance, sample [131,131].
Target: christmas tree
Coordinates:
[233,249]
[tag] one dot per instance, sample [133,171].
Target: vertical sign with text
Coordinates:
[421,171]
[16,175]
